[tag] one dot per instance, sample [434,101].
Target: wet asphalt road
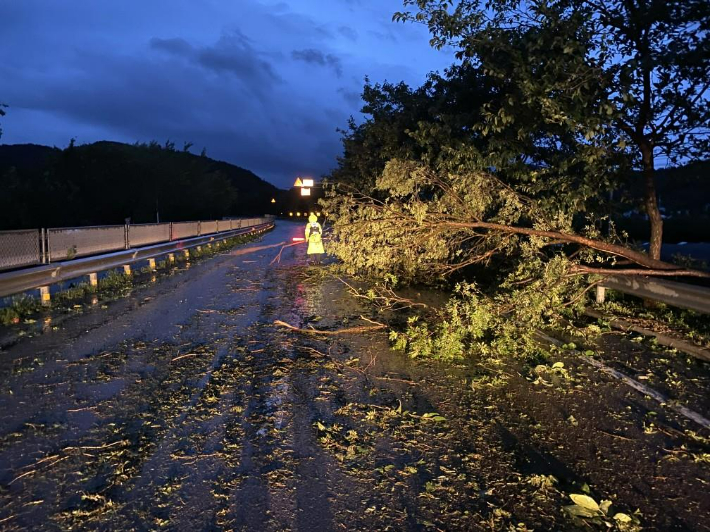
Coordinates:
[165,392]
[184,407]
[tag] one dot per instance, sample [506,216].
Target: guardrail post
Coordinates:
[43,245]
[171,258]
[187,254]
[127,269]
[48,249]
[601,293]
[151,264]
[126,238]
[171,231]
[44,296]
[93,280]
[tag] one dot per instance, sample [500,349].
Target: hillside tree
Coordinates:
[2,113]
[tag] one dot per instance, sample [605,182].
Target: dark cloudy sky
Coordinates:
[259,83]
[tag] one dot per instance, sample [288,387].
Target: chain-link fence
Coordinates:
[146,234]
[207,228]
[25,247]
[185,230]
[20,248]
[68,243]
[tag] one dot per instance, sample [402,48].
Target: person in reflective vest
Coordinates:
[314,237]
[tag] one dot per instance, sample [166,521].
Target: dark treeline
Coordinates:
[107,182]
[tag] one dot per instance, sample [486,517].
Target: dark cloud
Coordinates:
[383,35]
[232,54]
[174,46]
[348,33]
[227,76]
[351,96]
[152,100]
[317,57]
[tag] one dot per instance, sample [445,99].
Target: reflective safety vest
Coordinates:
[314,233]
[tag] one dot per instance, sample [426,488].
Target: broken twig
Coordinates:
[352,330]
[277,258]
[188,355]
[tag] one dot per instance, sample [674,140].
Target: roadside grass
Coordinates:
[691,324]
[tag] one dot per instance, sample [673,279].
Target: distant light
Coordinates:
[273,200]
[298,182]
[298,214]
[307,182]
[290,214]
[305,191]
[317,214]
[298,239]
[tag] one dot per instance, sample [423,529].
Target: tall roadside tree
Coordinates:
[643,66]
[2,113]
[492,177]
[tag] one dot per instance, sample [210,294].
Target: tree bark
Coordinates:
[621,251]
[651,202]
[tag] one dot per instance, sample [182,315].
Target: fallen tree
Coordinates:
[435,223]
[495,179]
[516,264]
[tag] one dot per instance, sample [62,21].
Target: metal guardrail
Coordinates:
[670,292]
[31,278]
[34,246]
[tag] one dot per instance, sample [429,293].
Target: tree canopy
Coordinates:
[632,75]
[496,175]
